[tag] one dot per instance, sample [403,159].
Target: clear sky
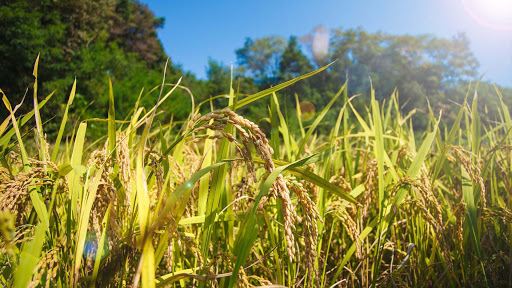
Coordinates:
[196,30]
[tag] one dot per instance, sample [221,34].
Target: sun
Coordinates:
[495,14]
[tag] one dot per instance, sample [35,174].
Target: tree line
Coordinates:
[95,40]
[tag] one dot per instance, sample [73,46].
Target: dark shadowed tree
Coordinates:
[261,57]
[134,27]
[89,40]
[293,62]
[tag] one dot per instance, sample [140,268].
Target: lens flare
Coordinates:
[494,14]
[320,45]
[307,110]
[91,246]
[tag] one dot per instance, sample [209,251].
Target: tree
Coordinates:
[92,40]
[134,26]
[261,58]
[293,62]
[419,66]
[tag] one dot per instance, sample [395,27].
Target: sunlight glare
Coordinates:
[495,14]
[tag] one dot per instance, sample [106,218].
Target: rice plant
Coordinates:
[216,202]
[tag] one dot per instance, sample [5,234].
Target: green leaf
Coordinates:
[85,212]
[63,123]
[276,88]
[180,191]
[449,140]
[467,194]
[415,167]
[319,118]
[39,124]
[41,210]
[148,265]
[75,187]
[217,187]
[378,146]
[205,182]
[24,156]
[101,245]
[66,168]
[111,120]
[29,257]
[7,137]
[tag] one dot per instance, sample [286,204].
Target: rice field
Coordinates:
[216,202]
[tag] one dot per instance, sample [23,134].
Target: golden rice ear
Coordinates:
[251,133]
[309,226]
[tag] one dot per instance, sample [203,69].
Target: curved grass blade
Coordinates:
[217,187]
[5,139]
[111,120]
[75,188]
[101,244]
[319,118]
[63,123]
[449,140]
[180,191]
[39,125]
[85,211]
[24,156]
[4,124]
[29,258]
[269,91]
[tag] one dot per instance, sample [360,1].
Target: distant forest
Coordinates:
[95,40]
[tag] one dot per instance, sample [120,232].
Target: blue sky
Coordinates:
[195,30]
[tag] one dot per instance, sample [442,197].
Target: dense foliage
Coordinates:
[87,40]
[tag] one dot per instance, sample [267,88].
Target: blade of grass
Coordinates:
[180,191]
[24,157]
[39,126]
[29,258]
[204,183]
[217,188]
[274,131]
[319,118]
[299,117]
[85,211]
[111,120]
[99,249]
[283,127]
[75,187]
[140,175]
[378,150]
[276,88]
[63,123]
[6,138]
[4,124]
[449,140]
